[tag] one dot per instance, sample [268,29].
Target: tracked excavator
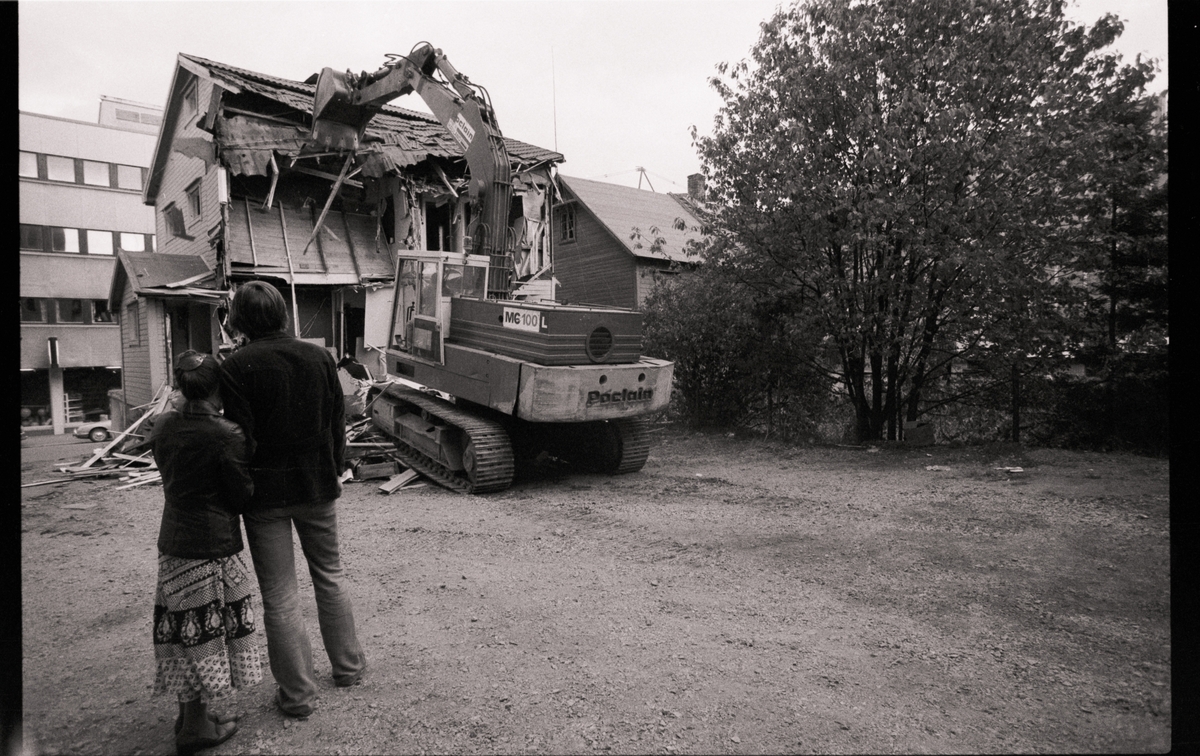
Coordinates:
[482,384]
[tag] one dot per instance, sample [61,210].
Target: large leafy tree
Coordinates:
[899,171]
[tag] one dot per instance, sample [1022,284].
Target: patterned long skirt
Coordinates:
[204,621]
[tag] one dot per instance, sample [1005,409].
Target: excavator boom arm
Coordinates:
[344,104]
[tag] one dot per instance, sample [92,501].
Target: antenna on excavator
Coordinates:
[642,174]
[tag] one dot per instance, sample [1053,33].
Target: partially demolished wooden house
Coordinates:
[235,192]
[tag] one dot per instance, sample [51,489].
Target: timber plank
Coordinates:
[399,481]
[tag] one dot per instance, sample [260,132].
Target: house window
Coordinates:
[29,163]
[32,310]
[95,173]
[174,219]
[568,224]
[64,240]
[71,311]
[133,242]
[129,177]
[100,311]
[132,321]
[60,168]
[189,99]
[32,238]
[193,198]
[99,242]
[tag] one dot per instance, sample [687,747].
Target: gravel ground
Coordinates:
[734,596]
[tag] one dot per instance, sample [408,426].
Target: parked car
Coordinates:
[98,430]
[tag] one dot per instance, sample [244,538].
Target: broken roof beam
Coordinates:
[442,175]
[337,185]
[332,177]
[274,184]
[264,116]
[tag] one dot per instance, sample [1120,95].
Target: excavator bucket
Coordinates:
[338,124]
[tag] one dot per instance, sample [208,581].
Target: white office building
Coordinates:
[80,200]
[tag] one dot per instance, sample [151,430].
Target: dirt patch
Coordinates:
[733,597]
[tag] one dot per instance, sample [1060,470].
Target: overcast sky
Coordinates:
[612,85]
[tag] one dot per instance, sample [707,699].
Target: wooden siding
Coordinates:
[160,370]
[143,363]
[184,166]
[346,245]
[135,357]
[595,268]
[648,275]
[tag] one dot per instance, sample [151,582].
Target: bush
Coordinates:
[738,358]
[1129,409]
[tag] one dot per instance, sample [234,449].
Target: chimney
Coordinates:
[696,187]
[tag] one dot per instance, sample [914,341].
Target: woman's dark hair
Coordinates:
[196,374]
[258,309]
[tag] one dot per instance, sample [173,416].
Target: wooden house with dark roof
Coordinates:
[235,189]
[612,243]
[164,305]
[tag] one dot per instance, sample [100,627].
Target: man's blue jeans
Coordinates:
[269,534]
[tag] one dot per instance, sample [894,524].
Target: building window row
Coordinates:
[82,241]
[81,311]
[79,171]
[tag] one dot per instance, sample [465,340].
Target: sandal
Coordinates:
[188,748]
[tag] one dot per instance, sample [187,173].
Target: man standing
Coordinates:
[285,394]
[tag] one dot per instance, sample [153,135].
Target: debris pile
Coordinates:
[126,457]
[370,455]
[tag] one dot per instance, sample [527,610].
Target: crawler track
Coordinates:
[492,469]
[613,447]
[634,441]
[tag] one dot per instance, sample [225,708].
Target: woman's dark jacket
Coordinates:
[203,460]
[285,393]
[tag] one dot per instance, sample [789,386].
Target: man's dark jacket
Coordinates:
[285,393]
[203,460]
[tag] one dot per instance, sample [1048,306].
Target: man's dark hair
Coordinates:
[258,309]
[196,374]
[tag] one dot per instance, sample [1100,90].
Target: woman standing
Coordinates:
[204,618]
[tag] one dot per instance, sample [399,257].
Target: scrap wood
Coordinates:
[158,404]
[156,478]
[95,472]
[45,482]
[399,481]
[358,429]
[135,475]
[140,458]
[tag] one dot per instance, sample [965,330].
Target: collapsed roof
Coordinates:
[396,138]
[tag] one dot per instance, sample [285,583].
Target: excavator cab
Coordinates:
[424,288]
